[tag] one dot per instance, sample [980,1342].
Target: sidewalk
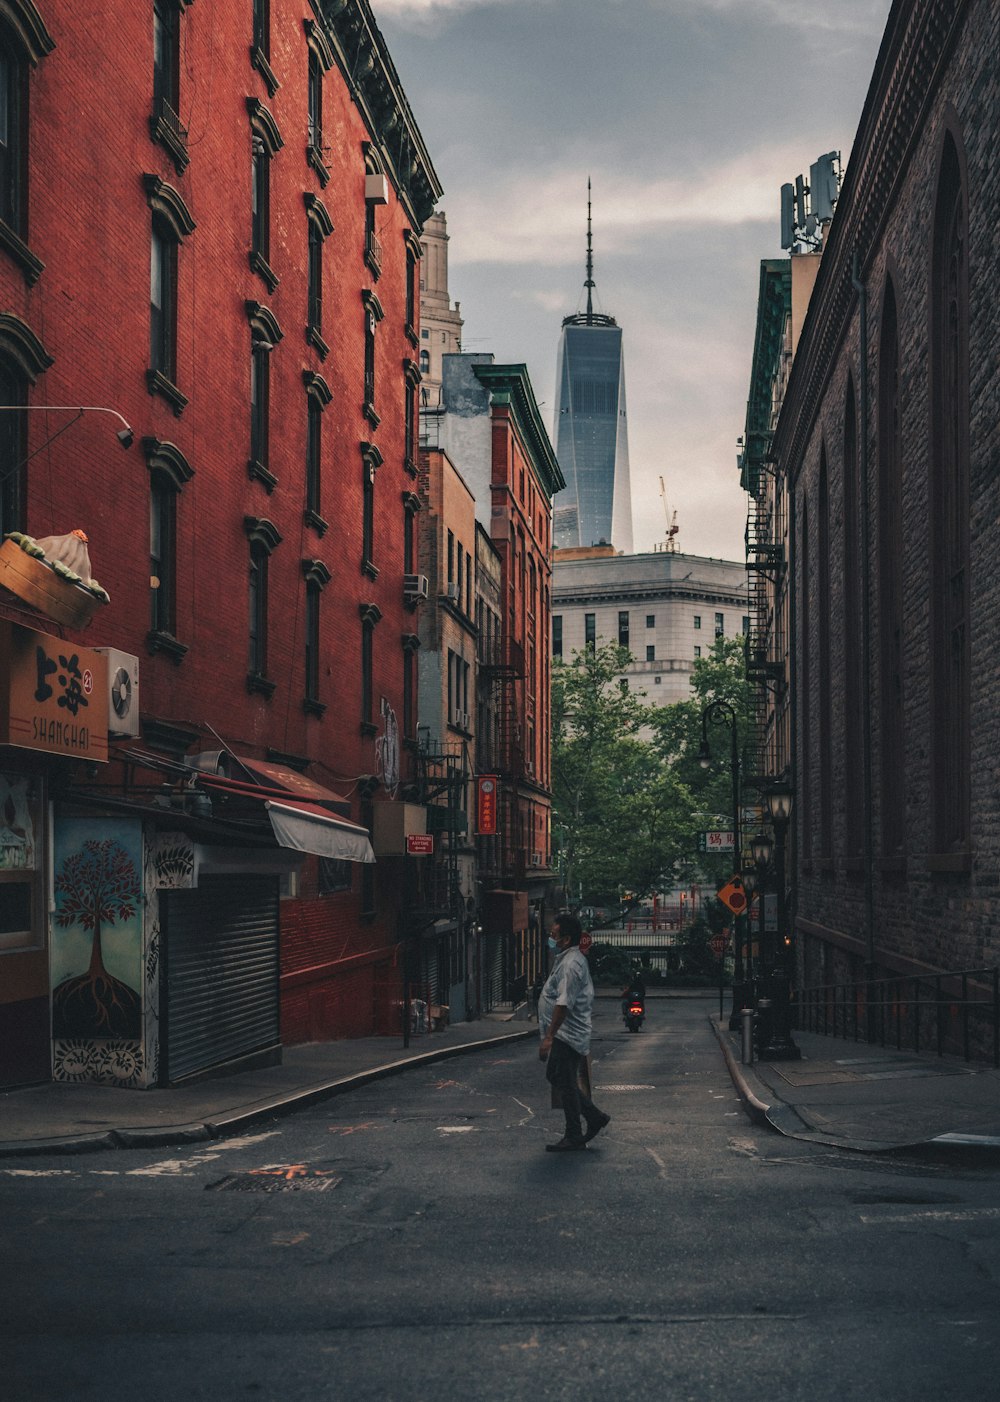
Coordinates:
[851,1095]
[66,1117]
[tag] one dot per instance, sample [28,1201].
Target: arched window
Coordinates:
[171,224]
[949,499]
[892,766]
[825,677]
[169,472]
[265,143]
[24,42]
[318,396]
[265,333]
[320,228]
[317,577]
[854,700]
[263,538]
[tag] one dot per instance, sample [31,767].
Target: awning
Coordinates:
[304,827]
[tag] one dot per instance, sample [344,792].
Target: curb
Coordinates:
[229,1122]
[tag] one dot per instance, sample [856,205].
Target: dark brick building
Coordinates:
[887,443]
[209,226]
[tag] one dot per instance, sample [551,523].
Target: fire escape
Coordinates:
[765,661]
[502,672]
[444,781]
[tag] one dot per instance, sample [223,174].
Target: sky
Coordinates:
[688,116]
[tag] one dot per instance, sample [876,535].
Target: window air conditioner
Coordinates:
[451,592]
[123,692]
[414,587]
[376,188]
[536,859]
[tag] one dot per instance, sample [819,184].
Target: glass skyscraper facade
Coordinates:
[592,435]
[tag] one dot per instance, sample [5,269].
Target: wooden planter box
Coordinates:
[35,583]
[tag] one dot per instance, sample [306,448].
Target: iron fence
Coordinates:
[957,1013]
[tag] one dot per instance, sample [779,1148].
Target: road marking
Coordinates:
[352,1129]
[968,1214]
[37,1172]
[456,1129]
[168,1168]
[604,1088]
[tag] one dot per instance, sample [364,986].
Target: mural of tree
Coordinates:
[95,887]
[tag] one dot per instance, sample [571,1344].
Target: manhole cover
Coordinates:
[276,1181]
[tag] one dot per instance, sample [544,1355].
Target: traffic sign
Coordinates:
[719,945]
[734,896]
[419,844]
[585,943]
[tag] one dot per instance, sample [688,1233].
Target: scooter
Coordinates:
[634,1013]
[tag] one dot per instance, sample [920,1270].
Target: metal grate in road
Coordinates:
[266,1182]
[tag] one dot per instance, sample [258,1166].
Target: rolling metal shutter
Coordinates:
[219,998]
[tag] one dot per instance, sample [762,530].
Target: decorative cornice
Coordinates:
[19,343]
[510,385]
[316,573]
[263,323]
[260,531]
[168,459]
[363,57]
[915,47]
[165,201]
[317,387]
[318,213]
[21,18]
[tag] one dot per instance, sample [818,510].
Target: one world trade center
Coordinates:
[591,428]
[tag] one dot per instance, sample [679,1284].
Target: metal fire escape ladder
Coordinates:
[504,671]
[444,775]
[765,670]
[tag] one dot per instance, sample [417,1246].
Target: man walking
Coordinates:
[564,1026]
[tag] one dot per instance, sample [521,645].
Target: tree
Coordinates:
[96,886]
[621,813]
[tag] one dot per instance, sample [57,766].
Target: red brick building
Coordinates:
[209,223]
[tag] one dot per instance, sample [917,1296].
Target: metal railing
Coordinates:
[957,1013]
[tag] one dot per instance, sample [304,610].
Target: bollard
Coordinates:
[746,1018]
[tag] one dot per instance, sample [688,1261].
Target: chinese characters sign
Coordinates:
[54,696]
[486,805]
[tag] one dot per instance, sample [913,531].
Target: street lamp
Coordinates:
[721,713]
[780,1046]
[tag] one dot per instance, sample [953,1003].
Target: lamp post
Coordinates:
[780,1045]
[721,713]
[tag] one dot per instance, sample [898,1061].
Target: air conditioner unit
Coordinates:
[123,692]
[536,859]
[451,592]
[466,720]
[414,587]
[376,188]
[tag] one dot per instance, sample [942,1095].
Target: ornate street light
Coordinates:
[779,1046]
[721,713]
[762,847]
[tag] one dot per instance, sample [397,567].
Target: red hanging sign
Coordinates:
[486,805]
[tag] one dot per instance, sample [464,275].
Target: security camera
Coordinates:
[126,437]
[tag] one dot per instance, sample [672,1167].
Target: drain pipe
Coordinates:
[866,664]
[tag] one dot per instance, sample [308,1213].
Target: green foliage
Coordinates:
[629,792]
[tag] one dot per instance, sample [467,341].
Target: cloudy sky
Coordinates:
[688,115]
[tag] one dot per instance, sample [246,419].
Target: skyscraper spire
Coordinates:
[589,284]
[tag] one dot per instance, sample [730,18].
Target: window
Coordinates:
[411,505]
[590,630]
[746,625]
[623,629]
[260,53]
[317,577]
[265,333]
[320,62]
[168,474]
[318,396]
[853,693]
[719,625]
[697,652]
[411,379]
[171,223]
[413,252]
[557,635]
[12,451]
[949,496]
[334,876]
[373,315]
[320,227]
[371,461]
[697,620]
[370,616]
[263,538]
[265,143]
[657,680]
[22,46]
[826,681]
[890,590]
[805,681]
[425,362]
[373,248]
[650,620]
[410,645]
[650,652]
[165,124]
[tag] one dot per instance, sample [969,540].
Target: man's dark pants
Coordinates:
[562,1071]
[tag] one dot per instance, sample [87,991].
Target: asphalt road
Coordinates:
[412,1240]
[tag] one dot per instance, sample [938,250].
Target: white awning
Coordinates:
[306,828]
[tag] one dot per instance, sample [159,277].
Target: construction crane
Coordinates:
[671,520]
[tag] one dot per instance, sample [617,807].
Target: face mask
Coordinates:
[553,944]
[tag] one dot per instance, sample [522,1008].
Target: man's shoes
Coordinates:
[600,1123]
[566,1146]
